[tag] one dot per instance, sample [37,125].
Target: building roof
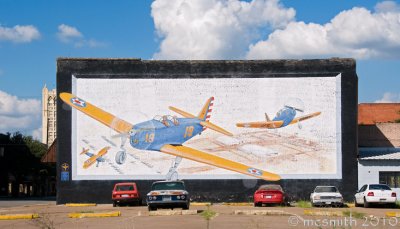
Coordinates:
[50,155]
[377,153]
[372,113]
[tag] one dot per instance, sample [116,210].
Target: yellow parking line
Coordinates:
[392,214]
[322,213]
[80,204]
[19,216]
[94,215]
[238,204]
[200,204]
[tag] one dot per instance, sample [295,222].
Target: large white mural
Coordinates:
[288,126]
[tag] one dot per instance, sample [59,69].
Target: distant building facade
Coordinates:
[379,144]
[49,121]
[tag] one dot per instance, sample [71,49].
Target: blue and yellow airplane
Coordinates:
[285,116]
[167,134]
[94,157]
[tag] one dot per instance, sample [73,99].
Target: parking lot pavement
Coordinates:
[56,216]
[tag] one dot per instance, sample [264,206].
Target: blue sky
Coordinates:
[34,33]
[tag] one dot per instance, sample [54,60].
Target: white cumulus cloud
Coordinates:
[69,34]
[214,29]
[389,97]
[19,33]
[23,115]
[357,33]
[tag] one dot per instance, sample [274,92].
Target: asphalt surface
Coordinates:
[56,216]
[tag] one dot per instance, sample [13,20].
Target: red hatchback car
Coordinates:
[126,193]
[269,194]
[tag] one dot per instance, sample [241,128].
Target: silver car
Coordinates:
[326,196]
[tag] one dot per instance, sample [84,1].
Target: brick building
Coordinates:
[379,144]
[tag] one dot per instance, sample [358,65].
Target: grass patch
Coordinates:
[353,214]
[303,204]
[208,215]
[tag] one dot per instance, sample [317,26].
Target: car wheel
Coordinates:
[356,204]
[114,204]
[366,204]
[185,207]
[257,204]
[152,208]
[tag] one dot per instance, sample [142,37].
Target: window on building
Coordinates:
[390,178]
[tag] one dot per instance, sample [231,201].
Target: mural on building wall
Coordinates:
[205,128]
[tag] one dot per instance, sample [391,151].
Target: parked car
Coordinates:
[125,193]
[269,194]
[374,194]
[168,194]
[326,196]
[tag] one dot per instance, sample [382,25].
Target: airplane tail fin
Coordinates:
[205,112]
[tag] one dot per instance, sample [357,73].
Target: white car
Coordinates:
[374,194]
[326,195]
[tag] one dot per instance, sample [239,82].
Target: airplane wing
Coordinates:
[94,158]
[262,124]
[181,112]
[304,117]
[202,157]
[96,113]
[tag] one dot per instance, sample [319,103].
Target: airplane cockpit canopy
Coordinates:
[167,120]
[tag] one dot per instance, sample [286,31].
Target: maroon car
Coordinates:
[269,194]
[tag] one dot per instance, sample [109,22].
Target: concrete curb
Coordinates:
[238,204]
[200,204]
[94,215]
[80,204]
[261,212]
[323,213]
[19,216]
[173,212]
[392,214]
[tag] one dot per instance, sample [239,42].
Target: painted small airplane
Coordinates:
[285,116]
[167,134]
[94,158]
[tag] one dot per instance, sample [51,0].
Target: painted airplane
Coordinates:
[167,134]
[286,116]
[94,158]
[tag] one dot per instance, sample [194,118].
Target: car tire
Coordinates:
[152,208]
[114,204]
[257,204]
[356,204]
[185,207]
[366,204]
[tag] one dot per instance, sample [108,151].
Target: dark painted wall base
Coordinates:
[99,191]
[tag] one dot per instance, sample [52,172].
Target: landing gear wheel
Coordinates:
[120,157]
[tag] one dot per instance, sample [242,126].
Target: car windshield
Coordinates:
[124,188]
[325,189]
[379,187]
[168,186]
[270,187]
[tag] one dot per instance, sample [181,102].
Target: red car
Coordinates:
[269,194]
[126,193]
